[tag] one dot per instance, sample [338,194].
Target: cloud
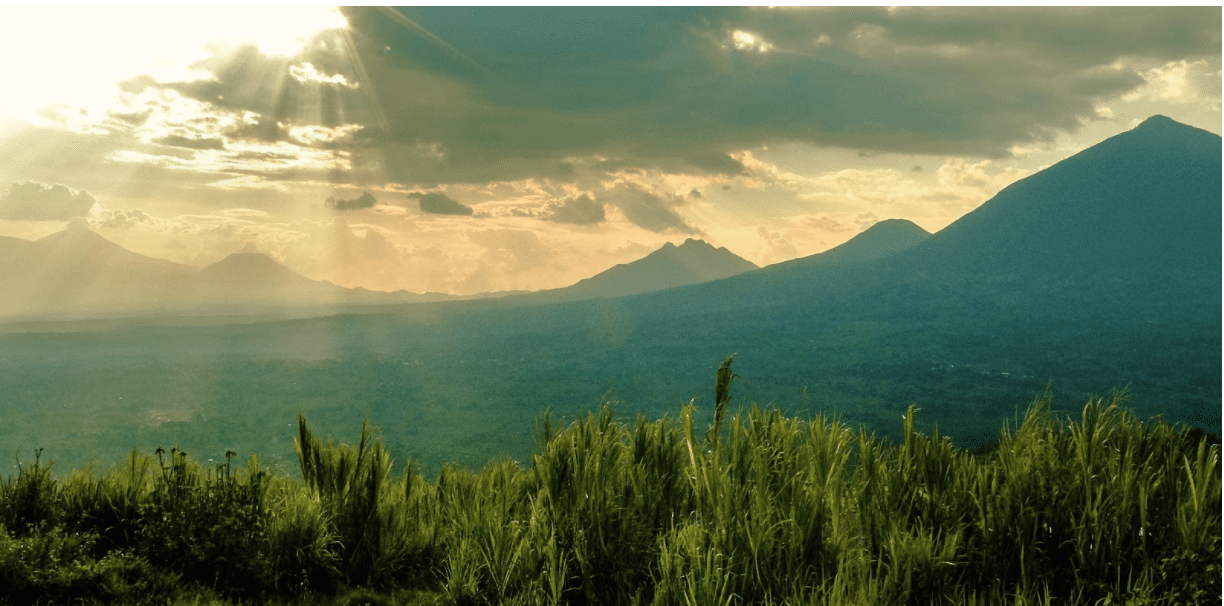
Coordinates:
[510,258]
[865,220]
[508,93]
[778,246]
[579,210]
[1180,82]
[825,223]
[439,204]
[259,128]
[34,201]
[120,219]
[191,143]
[716,162]
[426,97]
[365,200]
[307,72]
[318,85]
[650,211]
[244,213]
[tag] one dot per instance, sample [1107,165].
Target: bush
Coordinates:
[763,509]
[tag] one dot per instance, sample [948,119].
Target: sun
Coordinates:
[69,59]
[276,31]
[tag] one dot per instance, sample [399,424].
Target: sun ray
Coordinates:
[399,18]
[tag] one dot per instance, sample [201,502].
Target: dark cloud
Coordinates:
[506,93]
[34,201]
[620,165]
[716,162]
[262,128]
[191,143]
[581,210]
[474,95]
[365,200]
[649,211]
[439,204]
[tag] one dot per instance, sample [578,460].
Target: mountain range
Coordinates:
[78,273]
[1102,271]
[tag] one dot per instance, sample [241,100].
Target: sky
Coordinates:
[467,150]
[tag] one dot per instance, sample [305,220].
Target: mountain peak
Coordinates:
[896,225]
[77,233]
[882,239]
[693,262]
[248,262]
[1147,198]
[1159,121]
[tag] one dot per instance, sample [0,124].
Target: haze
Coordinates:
[471,150]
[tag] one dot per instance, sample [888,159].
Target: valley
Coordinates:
[969,324]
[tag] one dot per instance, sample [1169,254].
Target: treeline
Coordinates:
[759,509]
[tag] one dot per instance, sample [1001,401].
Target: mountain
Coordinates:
[1100,272]
[1128,227]
[876,242]
[1147,199]
[693,262]
[77,273]
[1103,270]
[77,269]
[254,276]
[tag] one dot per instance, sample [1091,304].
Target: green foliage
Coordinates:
[766,509]
[28,501]
[206,526]
[373,531]
[54,566]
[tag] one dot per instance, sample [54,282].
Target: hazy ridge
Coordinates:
[969,323]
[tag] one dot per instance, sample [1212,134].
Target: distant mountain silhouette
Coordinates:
[1129,226]
[76,269]
[81,249]
[257,275]
[1101,271]
[77,273]
[1147,199]
[876,242]
[693,262]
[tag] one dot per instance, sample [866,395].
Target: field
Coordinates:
[756,508]
[467,385]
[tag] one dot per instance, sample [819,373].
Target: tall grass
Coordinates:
[763,509]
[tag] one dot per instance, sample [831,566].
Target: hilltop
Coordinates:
[670,266]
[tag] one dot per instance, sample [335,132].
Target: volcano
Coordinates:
[1145,200]
[882,239]
[671,266]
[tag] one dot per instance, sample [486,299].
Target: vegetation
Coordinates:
[762,509]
